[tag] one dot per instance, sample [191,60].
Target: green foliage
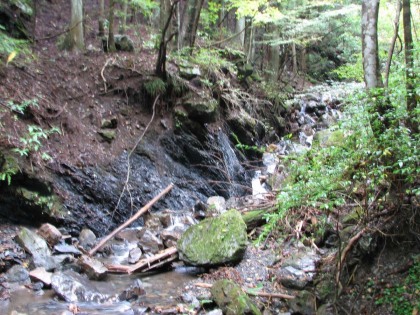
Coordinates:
[31,142]
[155,87]
[9,44]
[245,147]
[22,107]
[325,177]
[351,71]
[146,7]
[405,297]
[8,168]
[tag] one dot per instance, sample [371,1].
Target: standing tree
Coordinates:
[410,76]
[75,38]
[189,23]
[111,39]
[372,73]
[101,20]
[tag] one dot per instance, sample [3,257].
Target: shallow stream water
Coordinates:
[162,289]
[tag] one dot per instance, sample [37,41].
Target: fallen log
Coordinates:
[256,293]
[146,263]
[132,219]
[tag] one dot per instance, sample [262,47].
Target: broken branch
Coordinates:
[133,218]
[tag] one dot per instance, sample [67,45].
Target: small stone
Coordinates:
[42,275]
[18,274]
[87,239]
[109,123]
[133,292]
[50,233]
[216,205]
[94,269]
[134,255]
[107,135]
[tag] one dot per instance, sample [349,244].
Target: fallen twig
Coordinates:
[132,219]
[168,252]
[263,294]
[349,246]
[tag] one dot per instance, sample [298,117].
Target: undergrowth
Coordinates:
[348,164]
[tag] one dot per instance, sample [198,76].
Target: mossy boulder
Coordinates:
[202,109]
[232,300]
[214,241]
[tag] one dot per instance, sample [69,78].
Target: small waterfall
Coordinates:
[234,169]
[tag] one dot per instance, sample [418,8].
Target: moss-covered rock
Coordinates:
[232,300]
[214,241]
[202,109]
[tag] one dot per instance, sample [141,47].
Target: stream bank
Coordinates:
[200,167]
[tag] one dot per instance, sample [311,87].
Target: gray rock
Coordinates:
[149,243]
[189,71]
[37,247]
[109,123]
[214,241]
[134,255]
[94,269]
[67,249]
[18,274]
[216,205]
[72,287]
[40,274]
[50,233]
[133,292]
[87,239]
[122,43]
[170,236]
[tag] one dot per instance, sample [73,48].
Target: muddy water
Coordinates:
[162,289]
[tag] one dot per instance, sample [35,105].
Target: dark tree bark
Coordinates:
[189,25]
[160,69]
[111,39]
[410,79]
[101,26]
[394,39]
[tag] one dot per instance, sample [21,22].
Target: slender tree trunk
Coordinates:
[410,75]
[372,74]
[240,30]
[123,27]
[191,16]
[394,39]
[75,35]
[101,20]
[111,39]
[294,59]
[248,38]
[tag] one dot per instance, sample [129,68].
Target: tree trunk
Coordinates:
[294,59]
[240,30]
[410,75]
[191,16]
[248,38]
[101,21]
[75,36]
[372,74]
[111,39]
[394,39]
[124,17]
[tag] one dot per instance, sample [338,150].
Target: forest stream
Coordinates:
[238,186]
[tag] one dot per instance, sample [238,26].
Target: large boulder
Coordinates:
[232,300]
[214,241]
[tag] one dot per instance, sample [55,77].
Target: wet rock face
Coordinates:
[214,241]
[94,192]
[232,300]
